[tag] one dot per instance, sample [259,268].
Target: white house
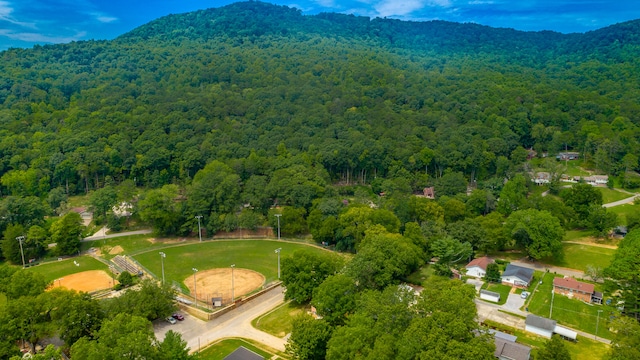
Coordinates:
[517,276]
[478,267]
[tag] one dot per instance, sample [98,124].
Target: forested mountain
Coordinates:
[290,104]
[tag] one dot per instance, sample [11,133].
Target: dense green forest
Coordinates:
[289,109]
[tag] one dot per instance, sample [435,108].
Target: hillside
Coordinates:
[360,98]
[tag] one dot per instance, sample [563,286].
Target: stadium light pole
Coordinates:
[59,281]
[21,239]
[278,252]
[162,256]
[199,231]
[195,286]
[233,295]
[278,216]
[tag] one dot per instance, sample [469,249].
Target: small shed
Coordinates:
[216,301]
[489,295]
[540,325]
[565,333]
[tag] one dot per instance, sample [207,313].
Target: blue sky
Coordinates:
[24,23]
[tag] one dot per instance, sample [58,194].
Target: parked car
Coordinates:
[171,320]
[524,295]
[178,317]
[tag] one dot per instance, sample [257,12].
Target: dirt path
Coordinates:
[592,244]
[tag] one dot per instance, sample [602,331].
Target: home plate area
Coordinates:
[216,283]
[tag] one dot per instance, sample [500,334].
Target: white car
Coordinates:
[171,320]
[524,295]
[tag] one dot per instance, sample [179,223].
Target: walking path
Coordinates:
[628,200]
[101,234]
[236,323]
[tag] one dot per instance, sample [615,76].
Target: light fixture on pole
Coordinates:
[59,281]
[195,286]
[597,322]
[278,216]
[21,239]
[233,295]
[199,231]
[162,256]
[278,252]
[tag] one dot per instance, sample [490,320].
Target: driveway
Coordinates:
[514,303]
[477,283]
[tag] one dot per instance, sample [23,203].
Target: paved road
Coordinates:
[100,235]
[236,323]
[555,269]
[628,200]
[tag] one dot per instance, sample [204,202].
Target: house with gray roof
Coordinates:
[540,325]
[517,276]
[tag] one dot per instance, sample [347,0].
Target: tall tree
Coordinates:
[65,232]
[625,271]
[554,349]
[304,271]
[537,232]
[309,337]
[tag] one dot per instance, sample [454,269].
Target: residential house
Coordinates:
[510,350]
[541,178]
[596,180]
[568,155]
[575,289]
[517,276]
[478,267]
[429,192]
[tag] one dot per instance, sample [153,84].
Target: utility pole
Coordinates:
[199,231]
[278,216]
[233,296]
[21,239]
[597,322]
[551,308]
[278,252]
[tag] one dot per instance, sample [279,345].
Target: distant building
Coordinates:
[517,276]
[243,353]
[429,192]
[596,180]
[568,155]
[542,178]
[510,350]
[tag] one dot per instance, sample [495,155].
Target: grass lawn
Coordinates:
[419,277]
[278,322]
[257,255]
[220,350]
[584,348]
[578,256]
[572,313]
[503,290]
[57,269]
[623,211]
[577,235]
[130,244]
[610,195]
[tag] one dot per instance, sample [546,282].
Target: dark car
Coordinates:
[178,316]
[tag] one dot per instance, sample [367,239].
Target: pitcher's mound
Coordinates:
[86,281]
[217,283]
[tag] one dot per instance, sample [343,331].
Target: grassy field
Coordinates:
[220,350]
[503,290]
[578,256]
[279,321]
[257,255]
[610,195]
[572,313]
[420,276]
[623,210]
[583,348]
[57,269]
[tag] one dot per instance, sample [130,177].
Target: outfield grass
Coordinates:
[278,322]
[57,269]
[503,290]
[570,312]
[610,195]
[578,256]
[220,350]
[257,255]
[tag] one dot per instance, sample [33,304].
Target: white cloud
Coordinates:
[326,3]
[401,8]
[6,10]
[105,19]
[41,38]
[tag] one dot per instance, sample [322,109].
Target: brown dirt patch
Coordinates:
[86,281]
[217,283]
[116,250]
[166,241]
